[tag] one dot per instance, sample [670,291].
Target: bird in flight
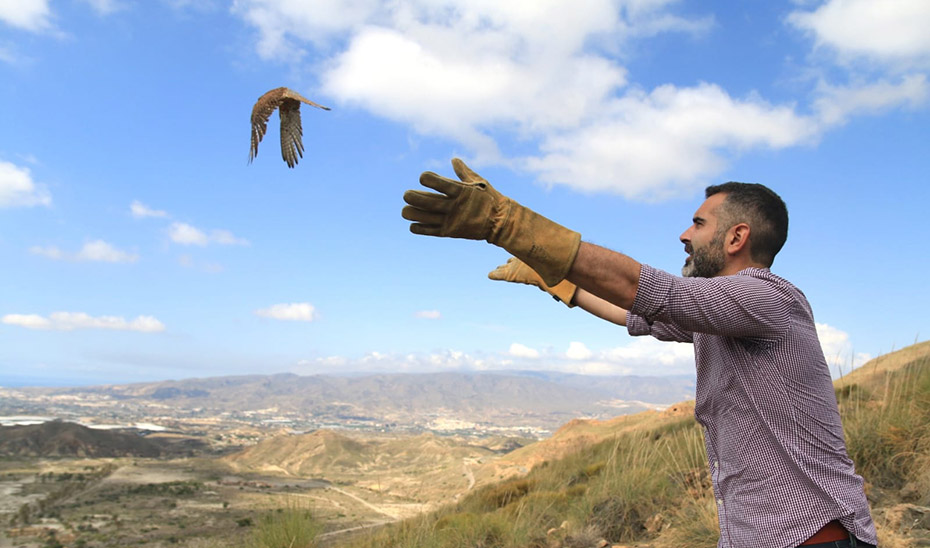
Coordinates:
[287,101]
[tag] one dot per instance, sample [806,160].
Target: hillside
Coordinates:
[642,480]
[423,468]
[67,439]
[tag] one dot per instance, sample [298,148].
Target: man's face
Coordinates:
[704,241]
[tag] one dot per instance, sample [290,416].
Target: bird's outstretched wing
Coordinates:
[287,102]
[292,145]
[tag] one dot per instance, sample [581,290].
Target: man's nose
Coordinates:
[685,237]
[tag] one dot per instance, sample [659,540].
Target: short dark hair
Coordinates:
[759,207]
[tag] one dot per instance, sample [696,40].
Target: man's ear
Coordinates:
[737,239]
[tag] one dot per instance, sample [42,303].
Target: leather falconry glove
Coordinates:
[515,270]
[474,210]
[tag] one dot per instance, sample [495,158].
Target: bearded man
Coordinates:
[779,466]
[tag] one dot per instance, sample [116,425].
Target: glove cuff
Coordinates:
[564,292]
[546,246]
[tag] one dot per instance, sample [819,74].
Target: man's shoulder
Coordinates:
[768,277]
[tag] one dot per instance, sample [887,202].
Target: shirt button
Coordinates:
[719,502]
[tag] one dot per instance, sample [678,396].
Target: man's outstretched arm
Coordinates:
[516,271]
[597,306]
[471,208]
[612,276]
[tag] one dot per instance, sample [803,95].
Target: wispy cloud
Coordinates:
[892,33]
[428,314]
[30,15]
[185,234]
[69,321]
[836,104]
[142,211]
[296,312]
[17,189]
[97,250]
[104,7]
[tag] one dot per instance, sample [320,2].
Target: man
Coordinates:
[775,444]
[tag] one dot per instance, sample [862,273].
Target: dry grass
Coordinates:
[650,484]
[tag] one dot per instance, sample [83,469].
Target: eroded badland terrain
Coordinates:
[178,462]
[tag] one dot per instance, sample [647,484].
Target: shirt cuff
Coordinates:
[637,325]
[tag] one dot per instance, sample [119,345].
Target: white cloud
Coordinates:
[141,211]
[474,70]
[185,234]
[96,250]
[99,250]
[641,356]
[298,312]
[68,321]
[31,15]
[838,349]
[522,351]
[17,189]
[465,70]
[654,145]
[836,104]
[892,32]
[428,314]
[577,351]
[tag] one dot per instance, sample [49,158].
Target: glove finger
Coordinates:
[429,201]
[442,184]
[425,230]
[503,272]
[465,173]
[422,216]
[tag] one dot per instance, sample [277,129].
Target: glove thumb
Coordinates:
[465,173]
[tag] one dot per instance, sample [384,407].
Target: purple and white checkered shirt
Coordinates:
[774,439]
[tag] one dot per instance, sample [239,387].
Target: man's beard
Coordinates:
[707,261]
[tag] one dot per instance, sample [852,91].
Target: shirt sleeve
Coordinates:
[638,325]
[733,306]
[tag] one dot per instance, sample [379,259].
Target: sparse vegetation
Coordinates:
[644,483]
[291,527]
[652,486]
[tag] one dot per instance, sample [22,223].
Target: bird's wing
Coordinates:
[291,94]
[261,112]
[292,144]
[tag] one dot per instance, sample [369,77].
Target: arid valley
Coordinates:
[179,462]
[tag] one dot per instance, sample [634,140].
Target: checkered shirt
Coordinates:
[765,398]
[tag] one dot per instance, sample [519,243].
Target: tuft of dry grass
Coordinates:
[289,527]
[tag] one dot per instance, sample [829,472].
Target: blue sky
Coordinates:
[136,243]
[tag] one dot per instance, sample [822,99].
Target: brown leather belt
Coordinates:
[830,532]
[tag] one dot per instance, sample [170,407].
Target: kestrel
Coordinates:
[287,101]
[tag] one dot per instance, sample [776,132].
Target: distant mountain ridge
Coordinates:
[501,398]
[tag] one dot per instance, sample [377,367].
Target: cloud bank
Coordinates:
[471,71]
[69,321]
